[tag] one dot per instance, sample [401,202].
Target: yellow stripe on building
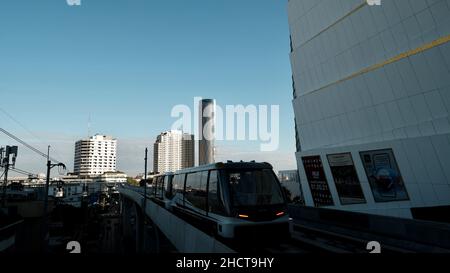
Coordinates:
[360,6]
[397,58]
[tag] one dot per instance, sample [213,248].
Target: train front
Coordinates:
[256,203]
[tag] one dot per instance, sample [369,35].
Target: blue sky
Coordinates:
[126,63]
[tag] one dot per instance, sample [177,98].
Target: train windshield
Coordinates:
[254,188]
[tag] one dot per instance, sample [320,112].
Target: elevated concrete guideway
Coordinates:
[185,237]
[314,230]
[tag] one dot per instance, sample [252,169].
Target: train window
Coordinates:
[196,190]
[178,186]
[254,188]
[168,186]
[215,204]
[155,185]
[160,188]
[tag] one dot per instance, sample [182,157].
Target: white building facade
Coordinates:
[173,151]
[95,155]
[372,104]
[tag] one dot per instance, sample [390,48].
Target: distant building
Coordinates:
[71,189]
[173,151]
[113,177]
[26,180]
[290,180]
[207,108]
[141,176]
[95,156]
[105,178]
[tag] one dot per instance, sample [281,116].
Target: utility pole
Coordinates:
[5,165]
[145,180]
[47,183]
[143,223]
[5,154]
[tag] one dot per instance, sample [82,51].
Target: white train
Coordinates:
[233,200]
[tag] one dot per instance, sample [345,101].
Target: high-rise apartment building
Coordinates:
[95,156]
[372,104]
[173,151]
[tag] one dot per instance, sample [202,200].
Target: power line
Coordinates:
[27,145]
[26,129]
[19,172]
[16,121]
[16,170]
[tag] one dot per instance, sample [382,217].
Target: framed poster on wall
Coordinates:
[384,176]
[317,181]
[346,179]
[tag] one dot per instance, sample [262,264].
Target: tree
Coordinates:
[142,183]
[287,193]
[132,181]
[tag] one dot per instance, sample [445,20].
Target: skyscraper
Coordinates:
[173,151]
[206,131]
[372,104]
[95,156]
